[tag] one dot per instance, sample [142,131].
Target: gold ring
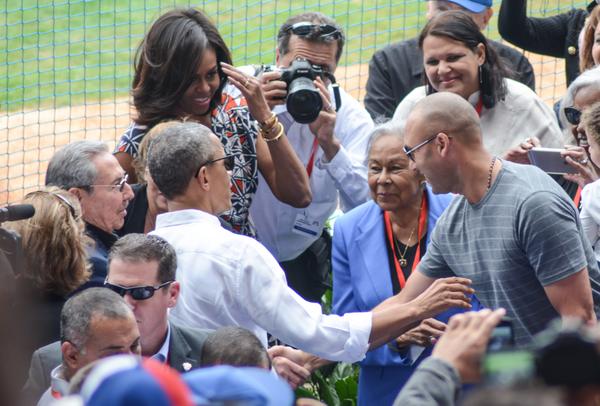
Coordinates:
[584,161]
[246,82]
[328,107]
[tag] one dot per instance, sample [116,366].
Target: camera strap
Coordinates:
[336,91]
[311,159]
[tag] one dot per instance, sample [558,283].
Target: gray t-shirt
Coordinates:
[523,235]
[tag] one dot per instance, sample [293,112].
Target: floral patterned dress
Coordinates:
[232,123]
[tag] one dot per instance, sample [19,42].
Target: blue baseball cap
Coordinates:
[474,6]
[244,385]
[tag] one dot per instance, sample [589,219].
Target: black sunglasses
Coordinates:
[136,292]
[325,31]
[410,151]
[228,162]
[573,115]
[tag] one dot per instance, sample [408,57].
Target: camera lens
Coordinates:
[304,100]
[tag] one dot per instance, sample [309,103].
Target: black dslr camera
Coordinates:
[303,100]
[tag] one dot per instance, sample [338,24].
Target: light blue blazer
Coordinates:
[361,280]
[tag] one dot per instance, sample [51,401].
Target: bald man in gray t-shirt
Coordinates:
[513,231]
[523,235]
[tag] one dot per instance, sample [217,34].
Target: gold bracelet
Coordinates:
[269,123]
[275,138]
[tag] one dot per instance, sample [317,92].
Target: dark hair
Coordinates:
[175,156]
[459,26]
[234,346]
[284,34]
[146,248]
[167,60]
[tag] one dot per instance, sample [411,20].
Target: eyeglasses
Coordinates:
[410,151]
[573,115]
[324,31]
[136,292]
[228,162]
[117,186]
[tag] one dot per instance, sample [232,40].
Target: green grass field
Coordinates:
[56,53]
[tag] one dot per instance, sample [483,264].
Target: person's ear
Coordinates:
[203,178]
[174,290]
[277,55]
[443,143]
[70,355]
[480,52]
[77,192]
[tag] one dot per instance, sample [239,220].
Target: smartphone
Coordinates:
[550,161]
[503,336]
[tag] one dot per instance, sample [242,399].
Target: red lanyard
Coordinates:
[390,236]
[479,106]
[577,197]
[311,160]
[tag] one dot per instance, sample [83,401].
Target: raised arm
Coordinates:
[420,299]
[544,36]
[277,161]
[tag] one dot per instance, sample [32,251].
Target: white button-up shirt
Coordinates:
[232,280]
[345,176]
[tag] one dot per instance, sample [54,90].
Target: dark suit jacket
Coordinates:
[396,70]
[185,349]
[552,36]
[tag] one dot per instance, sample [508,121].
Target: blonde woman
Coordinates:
[55,262]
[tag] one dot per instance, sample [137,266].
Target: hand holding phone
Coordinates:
[550,160]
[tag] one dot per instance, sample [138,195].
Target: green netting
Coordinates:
[65,66]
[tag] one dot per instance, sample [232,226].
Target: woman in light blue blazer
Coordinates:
[375,248]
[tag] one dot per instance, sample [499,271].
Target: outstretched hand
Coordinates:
[443,294]
[251,89]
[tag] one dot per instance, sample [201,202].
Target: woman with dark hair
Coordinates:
[183,71]
[457,58]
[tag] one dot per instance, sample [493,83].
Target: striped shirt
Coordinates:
[523,235]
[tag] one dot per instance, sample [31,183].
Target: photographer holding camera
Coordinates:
[329,133]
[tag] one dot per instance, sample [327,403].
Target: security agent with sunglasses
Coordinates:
[231,280]
[513,231]
[88,171]
[141,268]
[332,148]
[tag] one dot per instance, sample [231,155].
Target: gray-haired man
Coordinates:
[87,170]
[94,324]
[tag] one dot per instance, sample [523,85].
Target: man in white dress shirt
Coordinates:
[232,280]
[332,148]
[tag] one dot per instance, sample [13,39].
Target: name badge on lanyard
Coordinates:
[306,225]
